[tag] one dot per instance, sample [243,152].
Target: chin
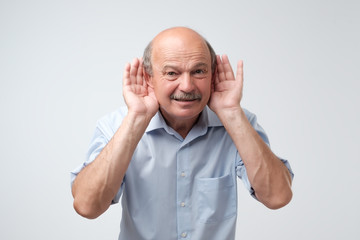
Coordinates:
[181,113]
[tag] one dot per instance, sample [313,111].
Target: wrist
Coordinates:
[230,113]
[232,117]
[138,117]
[136,122]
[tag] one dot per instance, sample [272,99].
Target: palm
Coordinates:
[227,90]
[139,98]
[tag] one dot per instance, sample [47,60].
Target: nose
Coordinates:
[186,83]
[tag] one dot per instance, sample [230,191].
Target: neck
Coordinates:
[181,126]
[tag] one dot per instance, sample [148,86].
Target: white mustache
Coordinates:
[186,96]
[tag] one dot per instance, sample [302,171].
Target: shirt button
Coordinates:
[182,204]
[183,235]
[182,174]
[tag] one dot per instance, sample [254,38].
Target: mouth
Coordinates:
[185,100]
[186,97]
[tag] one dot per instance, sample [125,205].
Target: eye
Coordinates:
[199,72]
[171,75]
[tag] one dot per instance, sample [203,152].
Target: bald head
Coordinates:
[177,36]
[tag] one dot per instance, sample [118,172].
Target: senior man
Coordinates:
[175,152]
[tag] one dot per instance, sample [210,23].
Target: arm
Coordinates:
[97,184]
[268,176]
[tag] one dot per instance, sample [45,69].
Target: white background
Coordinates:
[61,65]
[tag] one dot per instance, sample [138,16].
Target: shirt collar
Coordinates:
[207,119]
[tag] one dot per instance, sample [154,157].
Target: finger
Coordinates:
[229,74]
[240,72]
[126,74]
[139,75]
[134,70]
[220,70]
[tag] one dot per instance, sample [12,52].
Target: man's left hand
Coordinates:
[226,88]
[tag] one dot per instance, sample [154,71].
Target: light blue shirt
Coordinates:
[178,188]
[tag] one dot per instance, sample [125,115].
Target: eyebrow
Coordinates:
[198,65]
[169,66]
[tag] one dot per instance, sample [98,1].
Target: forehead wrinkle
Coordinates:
[182,67]
[179,51]
[178,60]
[176,54]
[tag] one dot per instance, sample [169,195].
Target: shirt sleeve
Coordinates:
[102,135]
[240,167]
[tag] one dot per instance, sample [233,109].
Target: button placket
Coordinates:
[183,192]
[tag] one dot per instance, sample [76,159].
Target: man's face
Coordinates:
[181,76]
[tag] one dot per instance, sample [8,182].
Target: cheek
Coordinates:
[205,87]
[164,89]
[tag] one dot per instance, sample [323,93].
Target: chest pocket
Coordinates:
[216,199]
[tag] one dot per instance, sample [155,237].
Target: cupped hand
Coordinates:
[227,89]
[139,96]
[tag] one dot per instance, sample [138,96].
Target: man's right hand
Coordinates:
[139,96]
[97,184]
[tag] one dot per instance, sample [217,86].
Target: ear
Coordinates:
[148,78]
[213,77]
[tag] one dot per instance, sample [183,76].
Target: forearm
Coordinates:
[97,184]
[268,176]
